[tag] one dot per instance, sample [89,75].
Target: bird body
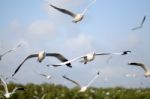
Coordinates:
[89,57]
[41,56]
[7,95]
[83,89]
[147,74]
[78,18]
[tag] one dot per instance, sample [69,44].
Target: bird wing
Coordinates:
[117,53]
[141,25]
[59,57]
[71,80]
[66,62]
[63,11]
[138,27]
[139,64]
[19,45]
[30,56]
[93,79]
[6,52]
[90,4]
[143,20]
[104,54]
[4,85]
[17,89]
[43,75]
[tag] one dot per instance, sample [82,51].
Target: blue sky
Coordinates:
[106,27]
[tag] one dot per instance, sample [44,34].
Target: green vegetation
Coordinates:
[53,91]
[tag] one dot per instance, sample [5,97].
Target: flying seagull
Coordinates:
[146,69]
[82,88]
[9,94]
[46,76]
[141,25]
[43,96]
[40,56]
[86,58]
[76,17]
[19,45]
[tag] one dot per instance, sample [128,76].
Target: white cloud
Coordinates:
[80,41]
[15,24]
[40,27]
[133,40]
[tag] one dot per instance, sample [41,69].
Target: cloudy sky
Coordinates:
[106,27]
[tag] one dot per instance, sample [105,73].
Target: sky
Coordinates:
[106,27]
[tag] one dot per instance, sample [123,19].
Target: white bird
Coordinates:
[41,56]
[76,17]
[86,58]
[43,96]
[8,94]
[82,88]
[19,45]
[146,69]
[141,25]
[46,76]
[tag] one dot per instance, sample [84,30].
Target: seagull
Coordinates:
[40,57]
[86,58]
[141,25]
[35,97]
[46,76]
[82,88]
[76,17]
[19,45]
[9,94]
[146,69]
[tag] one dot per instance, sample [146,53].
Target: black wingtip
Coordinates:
[69,65]
[13,75]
